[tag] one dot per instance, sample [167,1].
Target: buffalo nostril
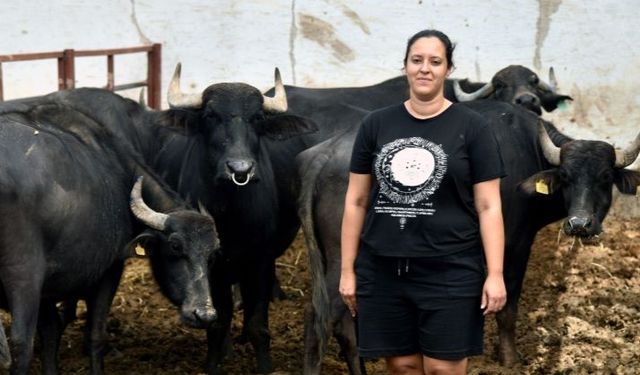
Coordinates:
[579,222]
[239,166]
[527,99]
[576,225]
[205,315]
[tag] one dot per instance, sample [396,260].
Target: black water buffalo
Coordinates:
[66,203]
[231,149]
[514,84]
[327,106]
[548,178]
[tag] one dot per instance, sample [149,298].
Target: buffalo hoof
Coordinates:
[509,357]
[265,366]
[5,361]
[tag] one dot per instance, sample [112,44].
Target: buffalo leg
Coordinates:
[50,328]
[507,352]
[24,303]
[218,342]
[345,333]
[98,305]
[313,349]
[516,259]
[69,308]
[5,355]
[256,294]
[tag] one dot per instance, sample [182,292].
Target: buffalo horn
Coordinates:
[552,86]
[141,98]
[627,156]
[553,82]
[153,219]
[551,152]
[278,103]
[462,96]
[203,210]
[176,98]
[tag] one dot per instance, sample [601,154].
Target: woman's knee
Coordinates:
[434,366]
[405,365]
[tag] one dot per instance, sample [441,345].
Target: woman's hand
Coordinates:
[348,290]
[494,294]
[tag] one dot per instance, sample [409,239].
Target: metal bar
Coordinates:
[66,68]
[31,56]
[60,73]
[127,86]
[110,77]
[154,75]
[69,69]
[1,85]
[114,51]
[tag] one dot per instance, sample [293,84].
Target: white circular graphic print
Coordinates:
[412,166]
[409,170]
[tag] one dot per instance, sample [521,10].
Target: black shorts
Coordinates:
[420,305]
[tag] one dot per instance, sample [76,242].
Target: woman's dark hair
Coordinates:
[449,47]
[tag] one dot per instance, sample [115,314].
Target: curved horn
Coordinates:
[203,210]
[551,152]
[278,103]
[462,96]
[552,86]
[553,82]
[141,98]
[155,220]
[626,157]
[176,98]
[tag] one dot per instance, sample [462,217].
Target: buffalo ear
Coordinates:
[552,101]
[545,183]
[285,126]
[627,181]
[139,246]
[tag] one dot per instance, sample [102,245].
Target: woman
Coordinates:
[413,236]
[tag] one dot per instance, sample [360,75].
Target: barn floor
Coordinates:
[579,314]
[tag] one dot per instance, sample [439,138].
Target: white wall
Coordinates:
[593,46]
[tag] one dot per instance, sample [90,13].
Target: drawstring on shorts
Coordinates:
[406,266]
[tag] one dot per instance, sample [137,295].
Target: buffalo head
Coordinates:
[584,173]
[180,245]
[520,86]
[233,118]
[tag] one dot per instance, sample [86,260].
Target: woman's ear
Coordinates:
[449,71]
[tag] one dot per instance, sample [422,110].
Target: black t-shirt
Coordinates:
[421,203]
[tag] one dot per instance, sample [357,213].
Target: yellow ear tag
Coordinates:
[140,251]
[542,187]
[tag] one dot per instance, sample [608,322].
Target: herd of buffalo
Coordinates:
[215,188]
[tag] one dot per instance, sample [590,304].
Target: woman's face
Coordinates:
[427,68]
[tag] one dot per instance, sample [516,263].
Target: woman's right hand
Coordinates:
[348,290]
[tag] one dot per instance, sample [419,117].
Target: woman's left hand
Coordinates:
[494,294]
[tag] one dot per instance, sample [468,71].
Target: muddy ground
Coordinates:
[579,314]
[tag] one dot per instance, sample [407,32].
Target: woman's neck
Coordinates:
[424,109]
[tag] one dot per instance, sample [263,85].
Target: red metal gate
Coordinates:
[66,68]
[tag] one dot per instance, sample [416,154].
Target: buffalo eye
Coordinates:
[214,256]
[563,175]
[534,80]
[606,177]
[176,244]
[257,117]
[211,115]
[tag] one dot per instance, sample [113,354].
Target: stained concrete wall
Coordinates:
[593,46]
